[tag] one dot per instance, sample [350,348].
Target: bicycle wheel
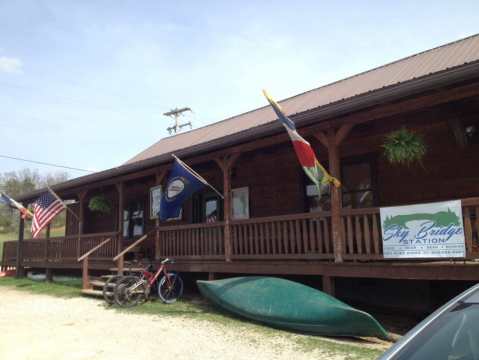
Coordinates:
[109,289]
[170,288]
[130,291]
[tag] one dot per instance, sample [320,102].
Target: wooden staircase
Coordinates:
[93,286]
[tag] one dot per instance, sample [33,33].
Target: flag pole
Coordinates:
[63,203]
[19,206]
[198,176]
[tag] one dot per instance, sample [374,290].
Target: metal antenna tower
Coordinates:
[176,114]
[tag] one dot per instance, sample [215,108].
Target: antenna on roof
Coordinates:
[175,114]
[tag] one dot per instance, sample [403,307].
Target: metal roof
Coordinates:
[425,63]
[445,65]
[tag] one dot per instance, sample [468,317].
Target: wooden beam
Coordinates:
[20,271]
[121,205]
[160,175]
[81,216]
[342,132]
[323,139]
[336,202]
[226,163]
[328,285]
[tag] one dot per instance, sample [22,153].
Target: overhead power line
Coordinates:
[45,163]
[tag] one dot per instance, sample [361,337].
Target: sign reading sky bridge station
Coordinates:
[433,230]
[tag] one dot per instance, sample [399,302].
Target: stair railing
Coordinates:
[120,258]
[84,259]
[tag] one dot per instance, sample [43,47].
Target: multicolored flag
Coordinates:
[182,183]
[305,153]
[7,200]
[45,208]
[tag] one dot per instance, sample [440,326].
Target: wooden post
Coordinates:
[85,278]
[336,199]
[158,180]
[121,199]
[47,245]
[81,214]
[226,164]
[20,270]
[328,285]
[332,140]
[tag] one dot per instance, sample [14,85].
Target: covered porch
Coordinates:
[282,228]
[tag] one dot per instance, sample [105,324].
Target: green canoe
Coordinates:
[289,305]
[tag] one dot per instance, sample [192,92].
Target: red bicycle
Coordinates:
[132,290]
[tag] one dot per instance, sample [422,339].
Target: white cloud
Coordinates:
[10,65]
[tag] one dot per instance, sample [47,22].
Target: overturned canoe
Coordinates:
[289,305]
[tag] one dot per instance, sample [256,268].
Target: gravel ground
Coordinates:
[42,327]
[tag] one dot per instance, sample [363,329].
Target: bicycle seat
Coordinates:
[167,261]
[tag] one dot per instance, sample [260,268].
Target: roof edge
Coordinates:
[394,92]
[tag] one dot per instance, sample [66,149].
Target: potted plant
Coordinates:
[404,147]
[99,204]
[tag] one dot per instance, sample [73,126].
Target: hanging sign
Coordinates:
[433,230]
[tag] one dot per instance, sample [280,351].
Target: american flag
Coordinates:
[45,209]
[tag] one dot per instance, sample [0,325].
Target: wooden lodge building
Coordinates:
[270,221]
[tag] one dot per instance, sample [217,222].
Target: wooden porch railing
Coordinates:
[196,241]
[120,257]
[84,259]
[9,256]
[361,234]
[298,236]
[41,252]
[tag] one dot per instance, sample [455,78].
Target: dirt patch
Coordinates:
[42,327]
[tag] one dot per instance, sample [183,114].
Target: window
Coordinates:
[357,185]
[240,203]
[357,188]
[211,210]
[133,221]
[207,208]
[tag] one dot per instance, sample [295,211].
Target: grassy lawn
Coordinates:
[194,307]
[64,288]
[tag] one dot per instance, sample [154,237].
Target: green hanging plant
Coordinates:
[404,147]
[99,204]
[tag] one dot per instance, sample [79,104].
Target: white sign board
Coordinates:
[433,230]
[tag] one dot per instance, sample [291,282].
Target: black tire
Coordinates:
[109,289]
[170,291]
[130,291]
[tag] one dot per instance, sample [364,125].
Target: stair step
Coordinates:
[133,269]
[91,292]
[98,283]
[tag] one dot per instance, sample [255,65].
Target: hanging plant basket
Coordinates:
[404,147]
[99,204]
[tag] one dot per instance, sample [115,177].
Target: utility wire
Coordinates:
[45,163]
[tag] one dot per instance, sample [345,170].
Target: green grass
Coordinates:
[197,308]
[67,288]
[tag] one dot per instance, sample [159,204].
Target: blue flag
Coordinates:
[182,183]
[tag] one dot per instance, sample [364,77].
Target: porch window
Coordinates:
[211,210]
[357,188]
[207,208]
[240,203]
[133,221]
[357,185]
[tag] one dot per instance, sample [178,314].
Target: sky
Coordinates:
[85,83]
